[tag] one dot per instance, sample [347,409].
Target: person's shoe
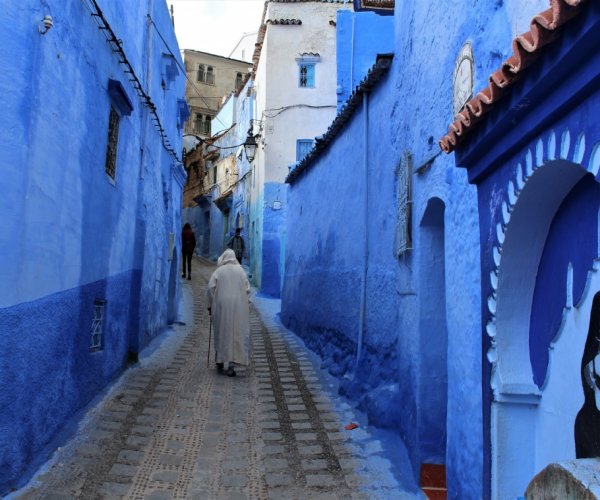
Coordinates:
[189,276]
[220,367]
[183,275]
[230,372]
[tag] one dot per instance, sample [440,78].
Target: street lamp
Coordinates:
[250,147]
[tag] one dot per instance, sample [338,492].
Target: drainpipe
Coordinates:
[363,290]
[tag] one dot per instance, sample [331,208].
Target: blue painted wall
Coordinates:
[70,235]
[360,36]
[273,234]
[408,110]
[557,123]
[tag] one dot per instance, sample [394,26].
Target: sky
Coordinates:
[214,26]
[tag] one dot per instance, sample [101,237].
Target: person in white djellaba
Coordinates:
[228,296]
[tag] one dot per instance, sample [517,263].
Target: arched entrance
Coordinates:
[433,342]
[538,273]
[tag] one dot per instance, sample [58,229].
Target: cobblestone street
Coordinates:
[173,427]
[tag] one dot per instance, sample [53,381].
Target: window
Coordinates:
[200,76]
[198,123]
[97,325]
[303,147]
[113,142]
[214,174]
[307,75]
[238,81]
[307,63]
[206,125]
[210,77]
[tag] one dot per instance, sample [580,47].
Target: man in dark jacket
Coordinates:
[188,243]
[237,245]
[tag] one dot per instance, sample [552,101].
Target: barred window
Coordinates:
[113,141]
[97,325]
[307,75]
[238,81]
[403,238]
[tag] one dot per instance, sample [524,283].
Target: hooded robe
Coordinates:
[228,295]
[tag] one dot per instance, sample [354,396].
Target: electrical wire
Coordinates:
[116,45]
[293,106]
[183,69]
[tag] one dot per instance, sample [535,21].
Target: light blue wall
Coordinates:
[360,36]
[409,109]
[273,234]
[69,235]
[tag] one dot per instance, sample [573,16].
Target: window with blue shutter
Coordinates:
[307,64]
[303,147]
[307,75]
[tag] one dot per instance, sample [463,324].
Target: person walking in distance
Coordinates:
[228,295]
[237,245]
[188,243]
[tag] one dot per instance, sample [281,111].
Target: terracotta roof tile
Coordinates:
[526,49]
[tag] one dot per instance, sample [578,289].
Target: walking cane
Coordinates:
[209,332]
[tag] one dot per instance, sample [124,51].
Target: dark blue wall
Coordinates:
[48,370]
[573,238]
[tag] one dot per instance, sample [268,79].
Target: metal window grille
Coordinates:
[206,126]
[113,141]
[403,240]
[200,74]
[97,325]
[307,75]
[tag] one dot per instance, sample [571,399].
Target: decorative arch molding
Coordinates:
[546,172]
[554,167]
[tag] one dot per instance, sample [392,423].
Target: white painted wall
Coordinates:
[277,82]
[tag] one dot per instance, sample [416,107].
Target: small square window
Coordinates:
[306,75]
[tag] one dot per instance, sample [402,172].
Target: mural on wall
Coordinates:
[587,423]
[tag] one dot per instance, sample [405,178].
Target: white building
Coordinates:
[295,88]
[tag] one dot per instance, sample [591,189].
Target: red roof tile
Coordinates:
[526,49]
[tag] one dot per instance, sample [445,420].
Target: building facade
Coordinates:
[530,143]
[295,89]
[216,199]
[93,112]
[211,79]
[458,305]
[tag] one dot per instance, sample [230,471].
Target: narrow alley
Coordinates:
[173,427]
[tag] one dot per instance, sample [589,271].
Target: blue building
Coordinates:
[459,305]
[530,142]
[92,112]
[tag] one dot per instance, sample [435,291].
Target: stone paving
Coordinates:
[173,427]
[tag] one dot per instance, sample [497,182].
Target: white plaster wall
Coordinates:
[278,65]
